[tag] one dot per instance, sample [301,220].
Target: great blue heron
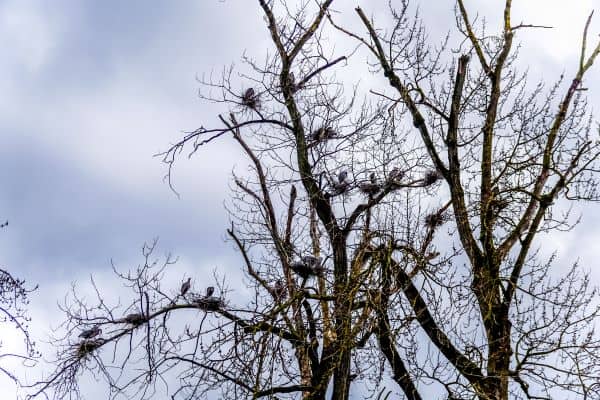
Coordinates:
[340,185]
[251,99]
[90,333]
[186,286]
[395,175]
[209,291]
[373,178]
[323,133]
[249,93]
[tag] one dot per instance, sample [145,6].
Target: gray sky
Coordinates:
[91,90]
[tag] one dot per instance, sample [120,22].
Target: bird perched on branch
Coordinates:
[291,82]
[340,185]
[209,291]
[395,176]
[323,133]
[185,287]
[342,176]
[90,333]
[251,99]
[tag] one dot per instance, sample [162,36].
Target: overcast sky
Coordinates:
[91,90]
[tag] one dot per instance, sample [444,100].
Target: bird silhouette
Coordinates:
[340,185]
[90,333]
[185,287]
[323,133]
[370,187]
[209,291]
[373,178]
[249,93]
[395,175]
[251,99]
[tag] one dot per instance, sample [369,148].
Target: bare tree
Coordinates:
[14,298]
[391,234]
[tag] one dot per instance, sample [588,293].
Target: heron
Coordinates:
[340,185]
[395,174]
[249,93]
[90,333]
[186,286]
[322,134]
[373,178]
[209,291]
[250,99]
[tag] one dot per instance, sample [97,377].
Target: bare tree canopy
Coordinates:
[389,234]
[14,298]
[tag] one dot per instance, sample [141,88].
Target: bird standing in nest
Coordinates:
[340,185]
[371,187]
[209,291]
[90,333]
[395,176]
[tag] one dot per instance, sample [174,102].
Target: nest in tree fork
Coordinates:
[431,177]
[209,303]
[88,346]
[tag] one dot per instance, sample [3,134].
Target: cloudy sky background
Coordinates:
[90,91]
